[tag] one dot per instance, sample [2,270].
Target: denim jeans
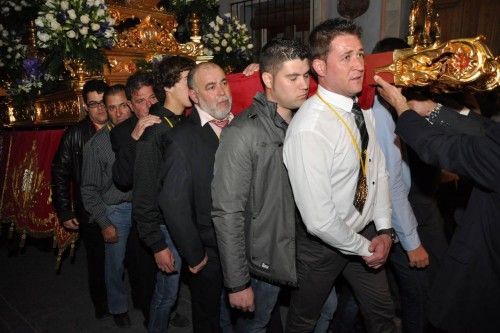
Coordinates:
[265,298]
[165,293]
[121,217]
[327,312]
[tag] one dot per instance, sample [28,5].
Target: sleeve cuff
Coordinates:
[158,246]
[103,223]
[238,288]
[410,242]
[383,223]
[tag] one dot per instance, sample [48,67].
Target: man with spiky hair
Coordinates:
[253,209]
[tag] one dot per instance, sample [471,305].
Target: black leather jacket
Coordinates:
[66,171]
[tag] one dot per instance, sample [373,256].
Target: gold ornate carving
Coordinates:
[453,65]
[151,36]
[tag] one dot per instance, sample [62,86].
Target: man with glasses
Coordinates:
[107,205]
[66,196]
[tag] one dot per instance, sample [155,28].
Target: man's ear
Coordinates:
[319,66]
[267,78]
[194,96]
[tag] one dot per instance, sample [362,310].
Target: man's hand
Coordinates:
[144,123]
[419,257]
[243,300]
[200,266]
[392,95]
[110,234]
[165,260]
[71,224]
[423,108]
[380,247]
[250,69]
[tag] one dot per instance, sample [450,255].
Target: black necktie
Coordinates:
[361,188]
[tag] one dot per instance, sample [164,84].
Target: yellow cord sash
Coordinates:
[351,134]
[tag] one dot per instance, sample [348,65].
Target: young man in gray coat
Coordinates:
[253,207]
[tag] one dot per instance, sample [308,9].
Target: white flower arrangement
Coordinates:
[8,6]
[74,27]
[229,41]
[12,50]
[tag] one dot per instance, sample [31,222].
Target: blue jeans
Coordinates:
[265,297]
[114,254]
[327,312]
[165,293]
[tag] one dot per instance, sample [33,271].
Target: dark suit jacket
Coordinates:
[124,147]
[185,199]
[464,296]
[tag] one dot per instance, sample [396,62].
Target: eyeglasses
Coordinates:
[121,106]
[94,104]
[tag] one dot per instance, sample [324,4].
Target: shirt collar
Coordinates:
[205,117]
[340,101]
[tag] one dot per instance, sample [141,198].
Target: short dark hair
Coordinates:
[98,86]
[323,34]
[136,81]
[389,44]
[113,90]
[168,72]
[279,50]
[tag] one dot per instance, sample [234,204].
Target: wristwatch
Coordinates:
[390,232]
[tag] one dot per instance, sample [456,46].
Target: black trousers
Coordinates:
[92,239]
[206,289]
[141,267]
[318,265]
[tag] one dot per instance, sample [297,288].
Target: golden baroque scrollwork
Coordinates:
[150,35]
[453,65]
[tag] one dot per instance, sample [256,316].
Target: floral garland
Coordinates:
[7,6]
[12,50]
[76,29]
[21,74]
[229,41]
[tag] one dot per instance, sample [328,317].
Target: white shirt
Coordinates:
[323,166]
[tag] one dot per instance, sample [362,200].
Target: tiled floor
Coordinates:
[34,299]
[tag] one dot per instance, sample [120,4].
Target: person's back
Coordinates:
[461,294]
